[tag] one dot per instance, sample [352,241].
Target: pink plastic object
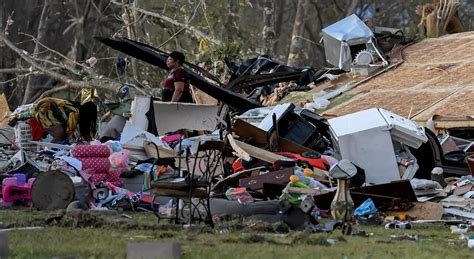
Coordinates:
[119,159]
[12,190]
[171,138]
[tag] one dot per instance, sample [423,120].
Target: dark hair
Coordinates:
[178,57]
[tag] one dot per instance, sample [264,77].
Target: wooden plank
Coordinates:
[306,191]
[246,151]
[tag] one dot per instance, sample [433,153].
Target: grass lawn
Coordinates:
[72,237]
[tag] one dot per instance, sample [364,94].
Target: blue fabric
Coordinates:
[366,208]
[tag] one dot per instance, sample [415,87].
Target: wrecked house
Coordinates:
[279,162]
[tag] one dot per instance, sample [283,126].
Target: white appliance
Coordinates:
[366,138]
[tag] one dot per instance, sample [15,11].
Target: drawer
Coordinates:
[275,177]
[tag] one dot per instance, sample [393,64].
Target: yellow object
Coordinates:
[203,45]
[294,179]
[87,95]
[402,217]
[308,172]
[52,111]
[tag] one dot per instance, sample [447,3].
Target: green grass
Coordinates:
[112,233]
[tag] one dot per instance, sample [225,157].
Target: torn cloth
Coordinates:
[52,112]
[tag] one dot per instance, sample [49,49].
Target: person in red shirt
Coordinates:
[176,86]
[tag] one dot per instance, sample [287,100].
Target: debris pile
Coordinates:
[250,156]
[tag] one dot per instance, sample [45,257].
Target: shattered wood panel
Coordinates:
[397,102]
[405,76]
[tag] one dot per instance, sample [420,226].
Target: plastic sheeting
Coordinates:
[349,28]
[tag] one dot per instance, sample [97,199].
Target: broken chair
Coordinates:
[192,192]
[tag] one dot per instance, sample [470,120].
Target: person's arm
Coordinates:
[178,91]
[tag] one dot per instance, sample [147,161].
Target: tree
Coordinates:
[295,55]
[41,34]
[268,31]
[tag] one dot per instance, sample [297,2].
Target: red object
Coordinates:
[90,151]
[237,166]
[179,75]
[319,163]
[37,131]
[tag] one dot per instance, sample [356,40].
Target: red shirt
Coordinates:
[179,75]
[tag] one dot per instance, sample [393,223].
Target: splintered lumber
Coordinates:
[246,151]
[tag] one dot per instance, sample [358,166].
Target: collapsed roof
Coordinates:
[434,78]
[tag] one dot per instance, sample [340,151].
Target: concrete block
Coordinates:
[3,244]
[153,250]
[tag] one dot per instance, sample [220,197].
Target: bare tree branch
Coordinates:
[103,83]
[14,70]
[191,28]
[52,50]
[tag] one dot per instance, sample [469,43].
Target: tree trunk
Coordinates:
[295,55]
[41,34]
[268,26]
[352,6]
[230,30]
[3,76]
[130,19]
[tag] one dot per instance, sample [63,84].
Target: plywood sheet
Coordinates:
[246,151]
[403,77]
[460,104]
[171,117]
[397,102]
[422,211]
[454,77]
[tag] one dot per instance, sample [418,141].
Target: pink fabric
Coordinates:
[100,165]
[112,177]
[96,164]
[90,151]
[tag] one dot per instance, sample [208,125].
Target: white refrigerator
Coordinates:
[367,139]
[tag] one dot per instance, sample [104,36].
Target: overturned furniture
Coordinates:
[377,141]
